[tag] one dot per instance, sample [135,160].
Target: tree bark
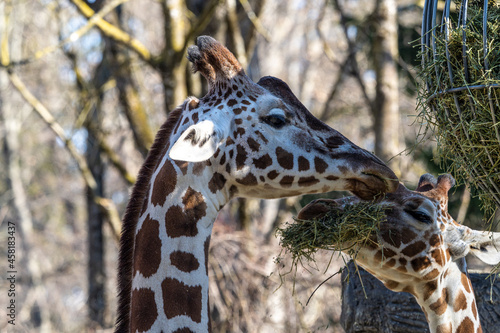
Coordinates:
[368,306]
[95,238]
[385,108]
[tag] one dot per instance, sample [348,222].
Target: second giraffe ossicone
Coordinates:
[241,139]
[421,249]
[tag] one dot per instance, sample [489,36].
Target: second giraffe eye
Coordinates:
[420,216]
[275,120]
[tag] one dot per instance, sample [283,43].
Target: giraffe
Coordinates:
[421,249]
[241,139]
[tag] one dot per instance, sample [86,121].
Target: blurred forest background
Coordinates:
[84,85]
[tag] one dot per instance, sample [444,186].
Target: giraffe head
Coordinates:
[420,249]
[262,142]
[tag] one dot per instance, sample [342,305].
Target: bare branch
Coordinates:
[112,31]
[44,113]
[201,23]
[235,33]
[252,16]
[326,47]
[352,56]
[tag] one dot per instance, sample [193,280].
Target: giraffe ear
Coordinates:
[199,142]
[485,245]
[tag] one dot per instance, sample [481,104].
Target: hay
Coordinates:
[344,230]
[466,120]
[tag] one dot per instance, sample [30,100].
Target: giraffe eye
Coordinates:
[420,216]
[275,120]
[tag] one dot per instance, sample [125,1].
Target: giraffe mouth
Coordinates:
[371,186]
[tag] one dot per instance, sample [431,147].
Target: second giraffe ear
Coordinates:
[199,142]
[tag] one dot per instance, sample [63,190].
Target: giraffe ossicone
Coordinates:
[241,139]
[420,249]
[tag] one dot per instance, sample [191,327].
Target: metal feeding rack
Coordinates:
[460,90]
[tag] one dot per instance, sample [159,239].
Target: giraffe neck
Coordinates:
[449,303]
[171,249]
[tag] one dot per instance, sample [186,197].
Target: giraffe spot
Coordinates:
[245,102]
[392,237]
[334,142]
[239,94]
[434,240]
[460,302]
[444,328]
[206,247]
[241,157]
[285,158]
[222,159]
[438,256]
[231,102]
[237,111]
[182,165]
[147,257]
[164,184]
[195,117]
[390,263]
[144,309]
[262,178]
[440,305]
[231,154]
[308,181]
[178,224]
[465,326]
[303,163]
[388,253]
[262,137]
[228,168]
[409,289]
[429,289]
[180,299]
[248,180]
[238,121]
[240,131]
[332,178]
[474,309]
[198,168]
[391,285]
[184,261]
[286,181]
[217,182]
[183,330]
[233,191]
[182,222]
[320,165]
[403,261]
[431,275]
[194,204]
[272,174]
[420,263]
[465,282]
[186,120]
[262,162]
[254,145]
[414,249]
[407,236]
[229,141]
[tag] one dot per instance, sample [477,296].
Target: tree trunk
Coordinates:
[371,307]
[386,106]
[95,238]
